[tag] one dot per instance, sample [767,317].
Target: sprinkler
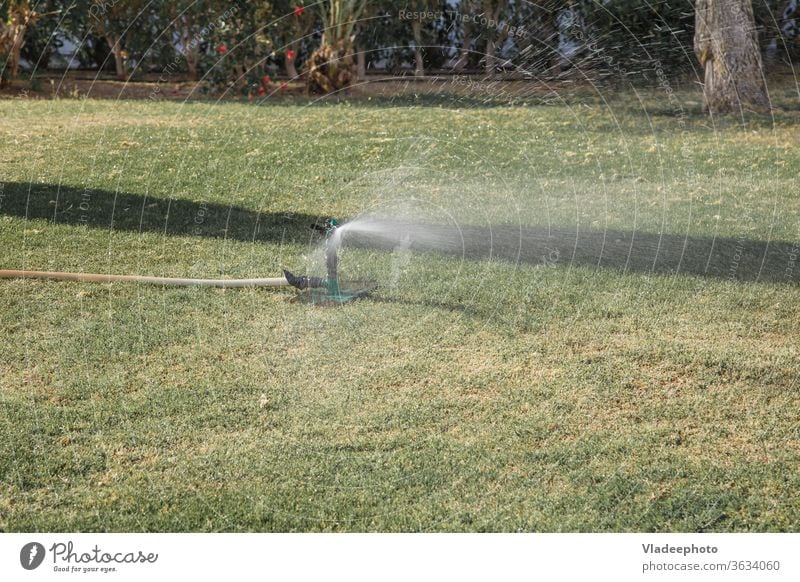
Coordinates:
[328,290]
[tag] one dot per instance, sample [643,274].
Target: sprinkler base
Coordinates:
[323,298]
[328,292]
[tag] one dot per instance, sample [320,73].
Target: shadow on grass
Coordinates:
[135,212]
[735,259]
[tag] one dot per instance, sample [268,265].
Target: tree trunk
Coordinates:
[16,50]
[548,32]
[191,65]
[191,52]
[12,38]
[493,9]
[726,45]
[119,58]
[489,62]
[419,65]
[463,57]
[361,64]
[288,63]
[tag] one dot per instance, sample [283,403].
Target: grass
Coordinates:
[534,391]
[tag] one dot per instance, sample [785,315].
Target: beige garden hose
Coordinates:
[97,278]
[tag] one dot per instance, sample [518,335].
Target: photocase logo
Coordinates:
[31,555]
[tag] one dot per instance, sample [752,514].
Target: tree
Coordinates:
[629,39]
[536,35]
[416,29]
[726,45]
[20,16]
[286,26]
[129,29]
[108,19]
[187,19]
[466,10]
[237,52]
[331,67]
[409,34]
[496,32]
[41,40]
[778,22]
[489,21]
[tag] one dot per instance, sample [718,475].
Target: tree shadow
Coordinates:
[96,208]
[734,259]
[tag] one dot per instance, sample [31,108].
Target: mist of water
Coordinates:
[530,245]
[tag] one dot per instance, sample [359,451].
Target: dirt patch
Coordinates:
[155,90]
[77,86]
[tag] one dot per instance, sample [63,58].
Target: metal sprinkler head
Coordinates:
[328,290]
[327,228]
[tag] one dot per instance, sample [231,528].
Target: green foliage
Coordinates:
[289,29]
[778,26]
[237,58]
[622,39]
[41,40]
[389,38]
[632,38]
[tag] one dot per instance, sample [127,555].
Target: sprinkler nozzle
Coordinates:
[327,227]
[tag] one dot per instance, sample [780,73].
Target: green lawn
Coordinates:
[546,387]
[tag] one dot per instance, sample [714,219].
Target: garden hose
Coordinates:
[177,282]
[320,290]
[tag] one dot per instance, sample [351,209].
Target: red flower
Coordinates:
[284,86]
[261,90]
[290,55]
[266,80]
[222,49]
[298,10]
